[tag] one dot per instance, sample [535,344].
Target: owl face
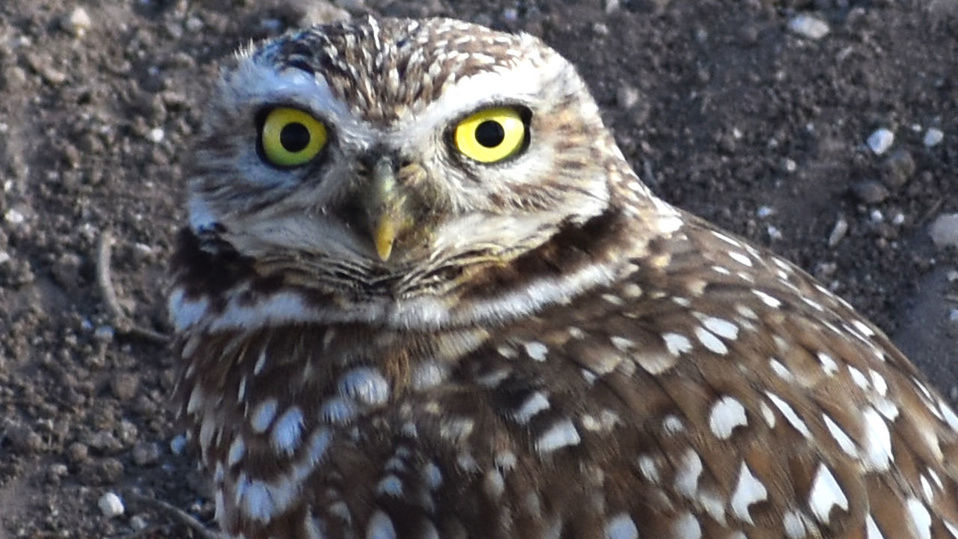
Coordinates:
[397,157]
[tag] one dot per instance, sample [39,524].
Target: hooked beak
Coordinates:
[387,207]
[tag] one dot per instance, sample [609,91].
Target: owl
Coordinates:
[422,294]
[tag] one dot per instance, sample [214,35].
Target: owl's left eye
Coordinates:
[491,135]
[291,137]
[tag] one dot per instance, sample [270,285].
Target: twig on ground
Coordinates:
[104,277]
[175,513]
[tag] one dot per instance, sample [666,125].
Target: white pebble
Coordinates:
[111,505]
[933,137]
[838,231]
[14,217]
[764,211]
[808,26]
[881,140]
[156,135]
[177,444]
[944,231]
[77,22]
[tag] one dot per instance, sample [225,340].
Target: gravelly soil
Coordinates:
[721,109]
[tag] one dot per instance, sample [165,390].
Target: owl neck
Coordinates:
[222,290]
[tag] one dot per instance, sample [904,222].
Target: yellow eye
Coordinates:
[491,135]
[291,137]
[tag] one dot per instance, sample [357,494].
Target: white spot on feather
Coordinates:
[748,490]
[687,474]
[710,341]
[727,414]
[183,312]
[561,434]
[789,414]
[767,299]
[536,350]
[676,343]
[740,257]
[843,440]
[687,526]
[288,431]
[535,403]
[721,327]
[825,494]
[877,445]
[380,526]
[236,451]
[828,364]
[366,385]
[871,528]
[621,526]
[920,518]
[263,415]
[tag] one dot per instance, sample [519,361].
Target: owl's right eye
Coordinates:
[291,137]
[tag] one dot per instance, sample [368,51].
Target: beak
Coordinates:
[386,207]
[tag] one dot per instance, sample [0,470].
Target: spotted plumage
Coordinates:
[411,334]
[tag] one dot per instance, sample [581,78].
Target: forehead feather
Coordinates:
[385,67]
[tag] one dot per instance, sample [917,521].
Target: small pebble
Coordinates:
[870,191]
[111,505]
[898,169]
[764,211]
[124,385]
[177,444]
[880,140]
[933,137]
[626,96]
[77,22]
[14,217]
[138,523]
[104,333]
[808,26]
[774,233]
[146,453]
[156,135]
[838,231]
[944,231]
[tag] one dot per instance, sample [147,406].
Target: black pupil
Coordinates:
[294,137]
[490,134]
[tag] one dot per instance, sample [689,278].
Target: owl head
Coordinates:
[392,159]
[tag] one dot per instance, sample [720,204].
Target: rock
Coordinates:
[626,96]
[24,439]
[76,23]
[124,385]
[880,140]
[870,191]
[146,453]
[178,444]
[898,169]
[838,231]
[944,231]
[78,452]
[933,137]
[808,26]
[111,505]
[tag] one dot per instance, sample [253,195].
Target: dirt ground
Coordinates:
[721,108]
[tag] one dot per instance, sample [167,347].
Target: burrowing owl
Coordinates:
[422,294]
